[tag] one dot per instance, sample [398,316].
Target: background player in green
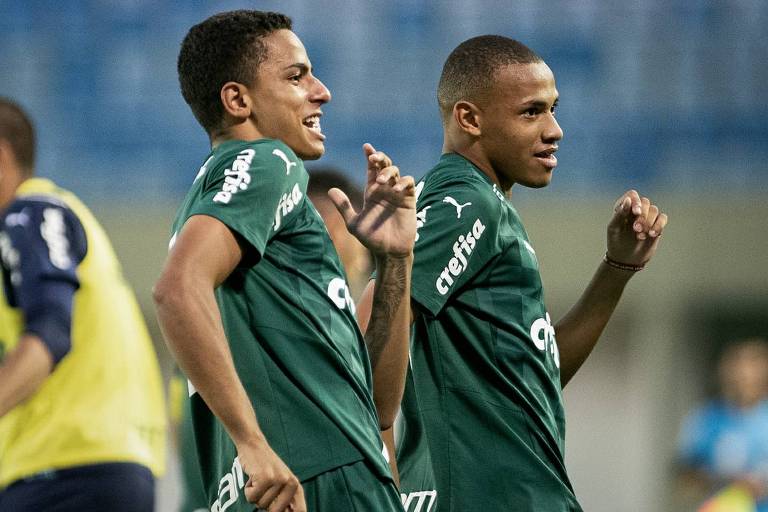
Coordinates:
[483,417]
[253,300]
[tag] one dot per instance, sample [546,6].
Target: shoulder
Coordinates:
[460,190]
[29,211]
[264,154]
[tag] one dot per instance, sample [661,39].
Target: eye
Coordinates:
[531,112]
[295,78]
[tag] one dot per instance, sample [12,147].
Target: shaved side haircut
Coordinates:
[469,71]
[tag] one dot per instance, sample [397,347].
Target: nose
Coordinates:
[320,92]
[552,131]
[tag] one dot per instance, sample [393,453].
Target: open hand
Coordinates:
[386,224]
[634,230]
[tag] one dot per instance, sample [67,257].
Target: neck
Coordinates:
[472,151]
[9,183]
[240,131]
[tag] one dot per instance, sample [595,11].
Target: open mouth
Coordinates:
[313,123]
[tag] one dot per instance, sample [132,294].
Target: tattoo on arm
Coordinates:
[387,298]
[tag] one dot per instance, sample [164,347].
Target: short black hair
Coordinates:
[470,69]
[322,179]
[225,47]
[17,129]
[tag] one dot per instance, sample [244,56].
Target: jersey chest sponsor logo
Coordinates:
[543,336]
[462,250]
[286,204]
[237,177]
[230,486]
[419,501]
[339,293]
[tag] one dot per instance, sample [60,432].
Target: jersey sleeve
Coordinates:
[43,243]
[254,192]
[457,228]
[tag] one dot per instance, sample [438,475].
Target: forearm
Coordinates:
[578,331]
[388,334]
[23,372]
[191,324]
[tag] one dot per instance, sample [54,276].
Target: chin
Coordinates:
[310,153]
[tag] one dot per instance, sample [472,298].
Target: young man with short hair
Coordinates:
[484,424]
[253,301]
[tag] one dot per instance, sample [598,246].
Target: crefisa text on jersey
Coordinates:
[464,245]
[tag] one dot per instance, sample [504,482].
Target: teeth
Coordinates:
[312,122]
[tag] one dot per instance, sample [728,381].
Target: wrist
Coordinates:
[385,258]
[623,266]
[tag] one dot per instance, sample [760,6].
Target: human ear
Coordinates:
[468,117]
[236,100]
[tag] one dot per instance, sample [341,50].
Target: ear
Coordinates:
[467,117]
[236,100]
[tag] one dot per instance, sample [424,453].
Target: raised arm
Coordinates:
[633,237]
[204,255]
[387,226]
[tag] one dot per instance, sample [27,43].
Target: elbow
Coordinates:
[165,289]
[386,423]
[387,416]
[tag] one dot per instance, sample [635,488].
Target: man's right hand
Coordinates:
[271,486]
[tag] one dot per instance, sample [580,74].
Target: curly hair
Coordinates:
[470,68]
[225,47]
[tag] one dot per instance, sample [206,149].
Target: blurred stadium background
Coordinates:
[663,96]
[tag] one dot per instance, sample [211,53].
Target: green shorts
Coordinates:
[351,488]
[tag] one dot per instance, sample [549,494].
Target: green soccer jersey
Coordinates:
[484,360]
[289,320]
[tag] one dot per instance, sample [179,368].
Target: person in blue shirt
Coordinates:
[725,441]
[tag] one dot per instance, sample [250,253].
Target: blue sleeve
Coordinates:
[693,441]
[44,244]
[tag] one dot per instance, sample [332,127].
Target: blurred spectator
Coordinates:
[82,423]
[724,444]
[355,258]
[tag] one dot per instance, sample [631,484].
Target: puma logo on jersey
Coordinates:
[287,203]
[462,250]
[288,164]
[421,219]
[230,486]
[339,293]
[543,337]
[237,178]
[459,207]
[419,501]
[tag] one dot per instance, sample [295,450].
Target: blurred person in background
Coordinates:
[355,258]
[483,419]
[724,443]
[82,416]
[252,299]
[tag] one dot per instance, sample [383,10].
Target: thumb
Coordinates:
[343,205]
